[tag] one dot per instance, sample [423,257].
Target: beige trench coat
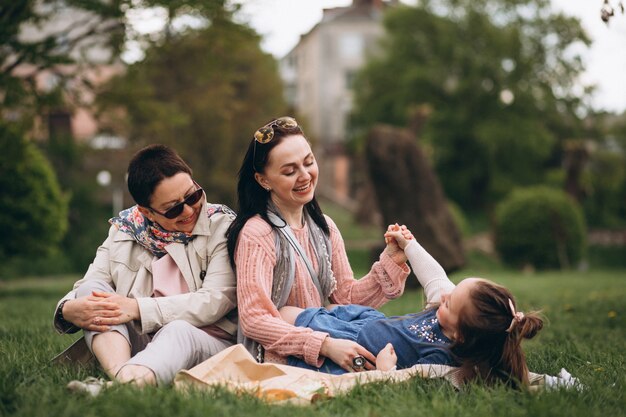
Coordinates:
[127,267]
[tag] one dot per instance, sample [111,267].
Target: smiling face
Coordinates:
[290,174]
[452,305]
[168,193]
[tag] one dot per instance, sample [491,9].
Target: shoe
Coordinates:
[92,386]
[563,380]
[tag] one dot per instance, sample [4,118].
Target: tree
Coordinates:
[33,215]
[27,49]
[57,39]
[202,91]
[604,175]
[497,76]
[408,192]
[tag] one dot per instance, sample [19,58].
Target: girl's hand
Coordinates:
[398,234]
[343,352]
[386,359]
[396,239]
[91,313]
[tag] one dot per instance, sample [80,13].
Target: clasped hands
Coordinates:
[100,310]
[396,238]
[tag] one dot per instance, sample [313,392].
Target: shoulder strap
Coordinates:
[255,348]
[291,238]
[283,280]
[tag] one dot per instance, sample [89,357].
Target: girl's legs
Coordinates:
[290,313]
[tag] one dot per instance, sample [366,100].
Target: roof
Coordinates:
[359,10]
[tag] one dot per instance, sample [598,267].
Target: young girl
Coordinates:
[474,325]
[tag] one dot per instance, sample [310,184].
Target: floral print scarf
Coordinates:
[152,236]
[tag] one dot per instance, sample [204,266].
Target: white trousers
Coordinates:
[177,345]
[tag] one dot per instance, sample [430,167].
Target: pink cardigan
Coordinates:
[255,259]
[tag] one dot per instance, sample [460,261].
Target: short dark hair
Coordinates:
[149,167]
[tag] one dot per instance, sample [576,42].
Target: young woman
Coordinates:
[285,251]
[160,294]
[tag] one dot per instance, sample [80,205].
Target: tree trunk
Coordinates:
[408,192]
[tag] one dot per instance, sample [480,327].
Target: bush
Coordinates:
[33,210]
[540,226]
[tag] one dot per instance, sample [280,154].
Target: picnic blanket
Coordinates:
[235,369]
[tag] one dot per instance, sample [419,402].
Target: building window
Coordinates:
[59,125]
[350,76]
[351,45]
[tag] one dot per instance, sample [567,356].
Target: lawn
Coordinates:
[586,334]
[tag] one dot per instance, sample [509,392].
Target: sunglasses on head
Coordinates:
[265,134]
[178,208]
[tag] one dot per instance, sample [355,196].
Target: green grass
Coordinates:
[353,233]
[586,334]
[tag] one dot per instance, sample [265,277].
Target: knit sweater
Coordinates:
[255,259]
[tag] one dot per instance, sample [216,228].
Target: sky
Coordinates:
[281,22]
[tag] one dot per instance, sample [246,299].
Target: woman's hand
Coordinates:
[343,352]
[88,312]
[386,359]
[128,307]
[398,234]
[394,248]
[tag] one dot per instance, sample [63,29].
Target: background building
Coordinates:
[318,74]
[83,37]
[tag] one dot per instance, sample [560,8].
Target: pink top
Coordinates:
[167,280]
[255,259]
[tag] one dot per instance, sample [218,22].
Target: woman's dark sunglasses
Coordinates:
[265,134]
[178,208]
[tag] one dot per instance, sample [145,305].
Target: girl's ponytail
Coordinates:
[513,360]
[491,332]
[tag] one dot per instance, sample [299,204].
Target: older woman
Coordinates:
[160,294]
[287,252]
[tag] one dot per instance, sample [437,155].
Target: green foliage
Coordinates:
[540,226]
[607,257]
[48,49]
[496,76]
[604,177]
[459,218]
[204,92]
[605,206]
[33,40]
[33,211]
[583,337]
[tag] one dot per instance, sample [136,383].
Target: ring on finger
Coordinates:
[358,362]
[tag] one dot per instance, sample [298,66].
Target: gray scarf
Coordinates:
[284,271]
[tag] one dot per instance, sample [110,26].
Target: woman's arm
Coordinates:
[384,281]
[87,312]
[259,318]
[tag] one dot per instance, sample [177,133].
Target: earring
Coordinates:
[268,189]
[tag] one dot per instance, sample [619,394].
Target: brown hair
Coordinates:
[148,167]
[489,342]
